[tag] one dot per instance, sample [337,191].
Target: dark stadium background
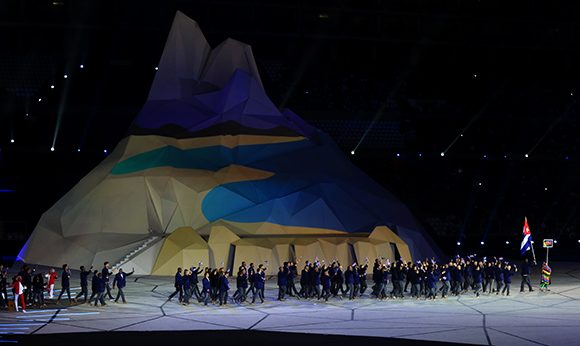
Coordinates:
[503,73]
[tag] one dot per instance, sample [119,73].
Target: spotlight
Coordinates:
[526,156]
[52,86]
[461,135]
[307,92]
[65,76]
[505,156]
[484,156]
[352,152]
[105,151]
[78,150]
[545,189]
[12,141]
[420,154]
[571,93]
[26,114]
[507,242]
[156,68]
[479,183]
[475,75]
[39,99]
[442,154]
[566,157]
[82,66]
[51,148]
[482,242]
[398,155]
[555,241]
[578,240]
[459,243]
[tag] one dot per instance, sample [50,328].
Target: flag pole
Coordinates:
[531,242]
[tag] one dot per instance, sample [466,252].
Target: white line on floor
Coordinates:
[64,314]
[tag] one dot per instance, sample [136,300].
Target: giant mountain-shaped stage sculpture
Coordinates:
[213,171]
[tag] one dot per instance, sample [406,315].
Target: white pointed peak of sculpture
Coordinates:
[189,65]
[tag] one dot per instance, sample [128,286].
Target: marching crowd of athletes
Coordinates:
[318,280]
[29,287]
[424,279]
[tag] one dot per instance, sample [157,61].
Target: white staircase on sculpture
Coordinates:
[144,246]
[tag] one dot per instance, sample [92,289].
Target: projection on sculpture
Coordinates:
[213,171]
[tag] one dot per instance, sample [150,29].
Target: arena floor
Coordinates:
[531,318]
